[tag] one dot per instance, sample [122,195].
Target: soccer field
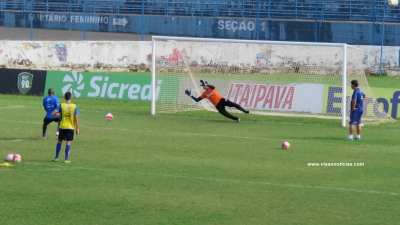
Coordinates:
[196,168]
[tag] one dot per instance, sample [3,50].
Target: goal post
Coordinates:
[281,78]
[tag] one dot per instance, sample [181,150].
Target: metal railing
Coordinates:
[294,20]
[325,10]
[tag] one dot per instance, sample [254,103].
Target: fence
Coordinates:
[321,10]
[352,21]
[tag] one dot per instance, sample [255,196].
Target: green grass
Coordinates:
[194,168]
[383,82]
[278,78]
[373,81]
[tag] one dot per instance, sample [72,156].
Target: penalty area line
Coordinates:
[43,169]
[250,182]
[205,135]
[280,184]
[12,107]
[55,167]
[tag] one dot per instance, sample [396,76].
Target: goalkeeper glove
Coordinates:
[203,83]
[189,93]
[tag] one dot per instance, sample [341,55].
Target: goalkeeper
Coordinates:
[217,100]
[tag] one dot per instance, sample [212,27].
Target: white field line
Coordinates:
[205,135]
[12,106]
[40,169]
[264,121]
[177,133]
[221,180]
[50,168]
[41,107]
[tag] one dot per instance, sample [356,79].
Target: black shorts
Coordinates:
[223,102]
[46,121]
[66,134]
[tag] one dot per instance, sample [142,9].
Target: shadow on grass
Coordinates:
[326,138]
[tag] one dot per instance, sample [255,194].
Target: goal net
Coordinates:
[265,77]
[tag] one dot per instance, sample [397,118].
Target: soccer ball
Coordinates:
[17,158]
[9,157]
[285,145]
[109,116]
[393,3]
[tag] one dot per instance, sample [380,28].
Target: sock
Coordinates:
[58,149]
[358,136]
[67,149]
[58,129]
[351,136]
[44,134]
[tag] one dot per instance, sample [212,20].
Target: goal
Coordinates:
[266,77]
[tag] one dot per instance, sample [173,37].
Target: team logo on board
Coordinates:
[25,80]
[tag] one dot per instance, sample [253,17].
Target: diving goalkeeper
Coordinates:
[217,100]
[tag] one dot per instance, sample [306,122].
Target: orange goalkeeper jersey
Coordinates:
[212,95]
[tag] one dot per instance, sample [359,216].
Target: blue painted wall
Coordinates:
[310,31]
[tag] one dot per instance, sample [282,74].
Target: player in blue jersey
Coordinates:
[356,110]
[68,124]
[50,103]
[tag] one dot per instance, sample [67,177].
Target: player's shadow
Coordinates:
[326,138]
[44,161]
[224,121]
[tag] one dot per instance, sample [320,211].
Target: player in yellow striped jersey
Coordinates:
[69,123]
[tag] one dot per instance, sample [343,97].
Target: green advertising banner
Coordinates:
[111,86]
[386,99]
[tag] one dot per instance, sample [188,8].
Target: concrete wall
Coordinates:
[134,56]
